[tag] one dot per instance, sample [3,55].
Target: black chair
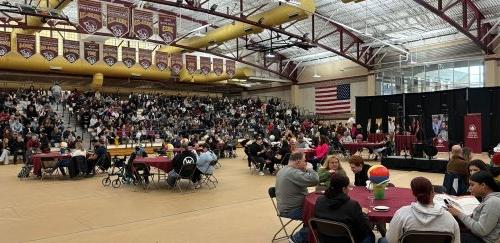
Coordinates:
[272,195]
[427,237]
[328,231]
[186,173]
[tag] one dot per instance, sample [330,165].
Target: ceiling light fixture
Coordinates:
[270,54]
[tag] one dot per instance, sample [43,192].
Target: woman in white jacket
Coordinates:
[422,215]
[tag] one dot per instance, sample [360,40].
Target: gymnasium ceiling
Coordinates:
[394,25]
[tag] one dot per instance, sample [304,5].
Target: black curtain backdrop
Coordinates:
[454,103]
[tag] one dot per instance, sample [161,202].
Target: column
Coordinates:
[491,73]
[97,81]
[370,87]
[295,95]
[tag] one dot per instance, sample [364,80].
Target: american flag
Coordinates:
[333,99]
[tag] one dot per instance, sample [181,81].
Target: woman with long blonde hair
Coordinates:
[331,167]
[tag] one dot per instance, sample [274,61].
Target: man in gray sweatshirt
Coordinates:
[291,189]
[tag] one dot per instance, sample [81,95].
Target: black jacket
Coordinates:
[361,177]
[344,210]
[254,148]
[179,160]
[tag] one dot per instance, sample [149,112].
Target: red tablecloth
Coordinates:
[404,142]
[36,159]
[376,137]
[395,199]
[162,163]
[355,147]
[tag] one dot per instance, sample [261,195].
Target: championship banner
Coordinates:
[205,65]
[472,132]
[191,63]
[49,47]
[143,24]
[5,44]
[118,20]
[128,56]
[161,60]
[145,58]
[167,27]
[176,63]
[71,50]
[91,52]
[218,66]
[90,15]
[230,68]
[26,45]
[110,54]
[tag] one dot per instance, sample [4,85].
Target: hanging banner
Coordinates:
[5,44]
[91,52]
[128,56]
[167,27]
[218,66]
[90,15]
[145,58]
[26,45]
[230,68]
[143,24]
[161,60]
[71,50]
[110,54]
[191,63]
[49,47]
[118,20]
[176,63]
[472,132]
[205,65]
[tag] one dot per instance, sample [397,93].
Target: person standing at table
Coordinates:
[422,215]
[291,189]
[360,170]
[484,223]
[337,206]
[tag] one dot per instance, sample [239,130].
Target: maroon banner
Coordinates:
[128,56]
[5,44]
[118,20]
[49,47]
[26,45]
[110,54]
[218,66]
[90,15]
[472,132]
[143,24]
[145,58]
[230,68]
[71,50]
[91,52]
[176,63]
[191,63]
[161,60]
[205,66]
[167,27]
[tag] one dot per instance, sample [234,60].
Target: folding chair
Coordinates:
[254,165]
[327,230]
[272,195]
[207,177]
[284,161]
[186,173]
[49,167]
[427,236]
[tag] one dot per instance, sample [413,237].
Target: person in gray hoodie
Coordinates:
[422,215]
[484,223]
[291,189]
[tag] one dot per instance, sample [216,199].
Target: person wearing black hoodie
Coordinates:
[337,206]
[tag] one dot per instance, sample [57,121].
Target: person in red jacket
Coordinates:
[320,152]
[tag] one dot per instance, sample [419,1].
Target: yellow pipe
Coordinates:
[37,21]
[241,73]
[273,17]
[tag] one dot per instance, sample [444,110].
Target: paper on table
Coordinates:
[466,204]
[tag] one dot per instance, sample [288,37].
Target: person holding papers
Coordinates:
[484,223]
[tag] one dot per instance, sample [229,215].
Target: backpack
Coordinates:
[25,171]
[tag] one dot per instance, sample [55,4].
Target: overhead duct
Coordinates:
[274,17]
[37,21]
[241,73]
